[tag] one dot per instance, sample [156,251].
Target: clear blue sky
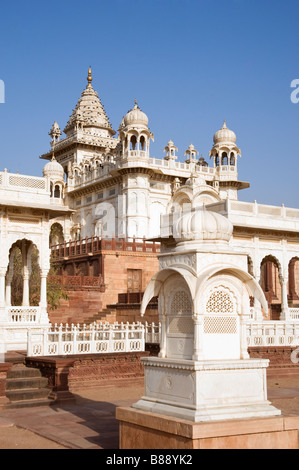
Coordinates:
[189,63]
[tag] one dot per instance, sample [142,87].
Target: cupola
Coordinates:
[170,150]
[54,173]
[191,154]
[224,151]
[135,117]
[135,135]
[204,225]
[55,134]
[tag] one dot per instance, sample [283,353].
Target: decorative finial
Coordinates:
[136,105]
[89,78]
[224,124]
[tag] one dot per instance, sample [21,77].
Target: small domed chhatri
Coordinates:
[200,224]
[135,116]
[225,151]
[224,135]
[53,169]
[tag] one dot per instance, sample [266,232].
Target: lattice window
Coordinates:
[180,304]
[26,182]
[220,325]
[23,220]
[182,325]
[220,301]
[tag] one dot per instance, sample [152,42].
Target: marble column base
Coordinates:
[206,390]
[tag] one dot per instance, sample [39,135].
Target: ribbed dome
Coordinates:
[53,169]
[200,224]
[224,135]
[135,116]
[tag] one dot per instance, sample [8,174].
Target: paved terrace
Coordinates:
[90,422]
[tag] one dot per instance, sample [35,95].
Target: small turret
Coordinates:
[170,150]
[191,154]
[55,134]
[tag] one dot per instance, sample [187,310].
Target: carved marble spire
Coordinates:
[90,110]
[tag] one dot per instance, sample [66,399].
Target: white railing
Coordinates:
[273,333]
[23,314]
[129,337]
[92,339]
[259,333]
[294,313]
[152,332]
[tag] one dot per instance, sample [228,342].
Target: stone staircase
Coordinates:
[26,387]
[107,314]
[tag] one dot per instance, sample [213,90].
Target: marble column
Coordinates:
[198,332]
[285,313]
[2,287]
[162,352]
[258,314]
[8,288]
[26,277]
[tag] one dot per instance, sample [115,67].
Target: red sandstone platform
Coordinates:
[144,430]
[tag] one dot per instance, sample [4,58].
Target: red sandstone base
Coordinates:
[4,368]
[143,430]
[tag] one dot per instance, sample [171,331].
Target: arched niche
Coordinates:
[56,234]
[222,307]
[270,274]
[179,322]
[293,269]
[23,276]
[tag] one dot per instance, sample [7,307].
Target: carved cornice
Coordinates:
[275,234]
[68,146]
[234,184]
[95,186]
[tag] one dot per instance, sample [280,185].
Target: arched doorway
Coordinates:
[56,234]
[23,278]
[270,283]
[179,321]
[293,290]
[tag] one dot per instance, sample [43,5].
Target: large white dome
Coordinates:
[135,116]
[201,224]
[53,169]
[224,135]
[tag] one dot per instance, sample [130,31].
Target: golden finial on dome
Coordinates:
[224,124]
[89,78]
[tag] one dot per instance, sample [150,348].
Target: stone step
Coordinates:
[15,357]
[27,394]
[29,403]
[22,372]
[26,387]
[26,383]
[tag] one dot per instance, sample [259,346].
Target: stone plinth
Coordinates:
[66,374]
[145,430]
[206,390]
[100,370]
[56,370]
